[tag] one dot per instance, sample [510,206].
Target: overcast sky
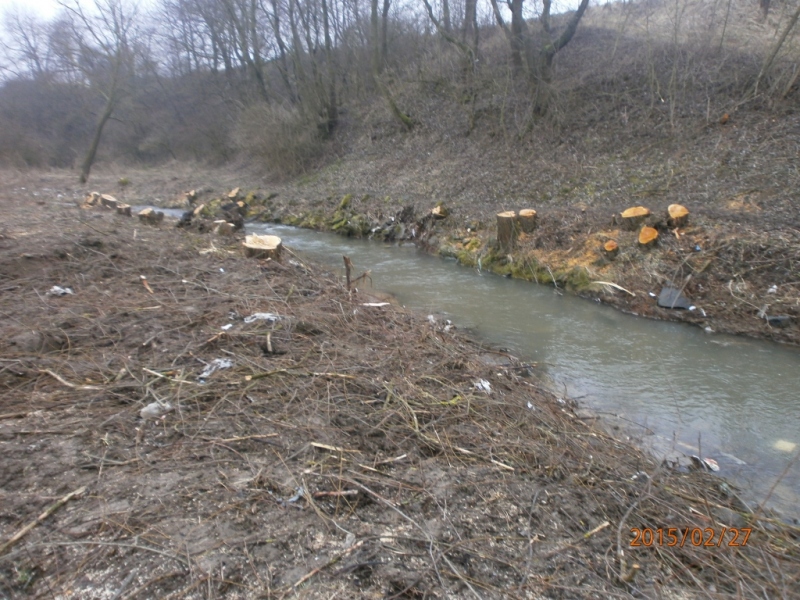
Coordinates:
[46,8]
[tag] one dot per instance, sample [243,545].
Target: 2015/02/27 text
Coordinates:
[694,536]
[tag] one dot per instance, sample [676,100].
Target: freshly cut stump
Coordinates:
[109,202]
[223,227]
[527,220]
[648,237]
[678,215]
[611,249]
[150,216]
[124,210]
[507,230]
[440,211]
[633,217]
[262,246]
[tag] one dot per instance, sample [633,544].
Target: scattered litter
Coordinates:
[708,329]
[704,312]
[271,317]
[773,290]
[697,248]
[709,464]
[57,290]
[672,298]
[431,319]
[784,446]
[692,307]
[641,475]
[652,295]
[298,493]
[483,385]
[530,405]
[221,270]
[155,410]
[215,365]
[226,327]
[779,321]
[374,304]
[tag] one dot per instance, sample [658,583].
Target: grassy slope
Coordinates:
[636,121]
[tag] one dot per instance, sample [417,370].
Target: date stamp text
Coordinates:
[692,536]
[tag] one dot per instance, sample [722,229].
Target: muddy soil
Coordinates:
[178,421]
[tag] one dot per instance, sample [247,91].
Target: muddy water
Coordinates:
[738,399]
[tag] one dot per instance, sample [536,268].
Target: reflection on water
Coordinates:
[737,397]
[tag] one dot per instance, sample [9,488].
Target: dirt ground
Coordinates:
[324,449]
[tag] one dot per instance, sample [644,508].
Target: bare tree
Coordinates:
[526,53]
[101,48]
[27,46]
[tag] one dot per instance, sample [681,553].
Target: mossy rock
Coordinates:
[293,220]
[345,203]
[448,251]
[313,220]
[467,258]
[211,208]
[576,279]
[473,244]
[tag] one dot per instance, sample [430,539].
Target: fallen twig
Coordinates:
[24,531]
[67,383]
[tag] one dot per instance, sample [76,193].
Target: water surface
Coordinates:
[734,397]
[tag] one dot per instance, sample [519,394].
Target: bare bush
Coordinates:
[283,140]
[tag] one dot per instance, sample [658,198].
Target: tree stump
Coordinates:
[109,202]
[648,237]
[234,193]
[440,211]
[527,220]
[124,210]
[507,230]
[222,227]
[262,246]
[150,216]
[610,249]
[91,199]
[678,215]
[633,217]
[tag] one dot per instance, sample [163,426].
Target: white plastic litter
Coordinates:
[215,365]
[155,410]
[773,290]
[375,304]
[271,317]
[226,327]
[57,290]
[483,386]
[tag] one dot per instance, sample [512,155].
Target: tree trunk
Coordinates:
[507,230]
[518,31]
[98,133]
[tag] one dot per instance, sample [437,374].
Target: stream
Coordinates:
[671,386]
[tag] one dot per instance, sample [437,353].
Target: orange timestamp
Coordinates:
[693,536]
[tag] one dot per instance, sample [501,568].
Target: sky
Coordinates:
[45,8]
[49,8]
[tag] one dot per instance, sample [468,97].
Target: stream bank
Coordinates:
[737,279]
